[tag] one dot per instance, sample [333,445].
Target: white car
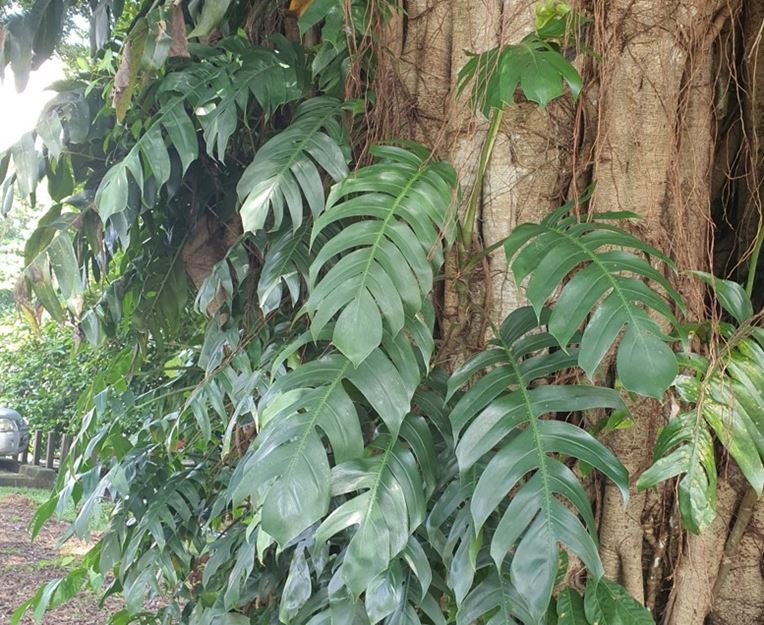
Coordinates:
[14,434]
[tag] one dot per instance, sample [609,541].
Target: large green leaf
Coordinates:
[269,77]
[287,469]
[284,175]
[502,411]
[385,503]
[397,208]
[606,275]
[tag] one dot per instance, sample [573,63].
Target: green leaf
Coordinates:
[51,131]
[496,596]
[359,328]
[284,174]
[26,163]
[385,505]
[534,522]
[212,14]
[65,266]
[111,196]
[727,398]
[685,446]
[386,261]
[297,588]
[644,362]
[601,292]
[286,262]
[180,129]
[288,468]
[534,65]
[732,296]
[316,11]
[155,156]
[570,608]
[269,76]
[607,603]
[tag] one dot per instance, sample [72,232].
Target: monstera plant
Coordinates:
[303,457]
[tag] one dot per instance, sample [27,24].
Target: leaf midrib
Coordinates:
[385,222]
[310,426]
[533,425]
[594,259]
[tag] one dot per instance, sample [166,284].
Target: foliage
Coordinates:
[15,227]
[722,392]
[487,420]
[299,458]
[43,376]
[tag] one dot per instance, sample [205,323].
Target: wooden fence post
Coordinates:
[65,444]
[50,450]
[37,450]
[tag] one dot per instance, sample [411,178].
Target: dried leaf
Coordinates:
[179,44]
[126,77]
[299,6]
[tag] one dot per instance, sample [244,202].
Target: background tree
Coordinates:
[319,462]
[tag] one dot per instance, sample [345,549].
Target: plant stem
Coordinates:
[468,223]
[754,261]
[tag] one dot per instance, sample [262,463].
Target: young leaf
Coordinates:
[535,65]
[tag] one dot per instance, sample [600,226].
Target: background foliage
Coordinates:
[43,376]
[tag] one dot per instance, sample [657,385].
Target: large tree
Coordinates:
[437,287]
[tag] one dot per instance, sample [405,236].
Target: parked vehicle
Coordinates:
[14,433]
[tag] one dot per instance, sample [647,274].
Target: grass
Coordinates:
[99,520]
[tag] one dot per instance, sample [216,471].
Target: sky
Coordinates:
[19,111]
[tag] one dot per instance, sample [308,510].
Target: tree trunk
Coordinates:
[646,131]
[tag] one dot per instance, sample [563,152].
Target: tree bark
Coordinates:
[645,131]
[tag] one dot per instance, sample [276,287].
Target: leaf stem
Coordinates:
[468,223]
[754,260]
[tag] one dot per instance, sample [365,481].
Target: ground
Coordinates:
[25,565]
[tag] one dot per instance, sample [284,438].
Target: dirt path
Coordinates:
[25,565]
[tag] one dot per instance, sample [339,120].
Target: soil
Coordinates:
[26,565]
